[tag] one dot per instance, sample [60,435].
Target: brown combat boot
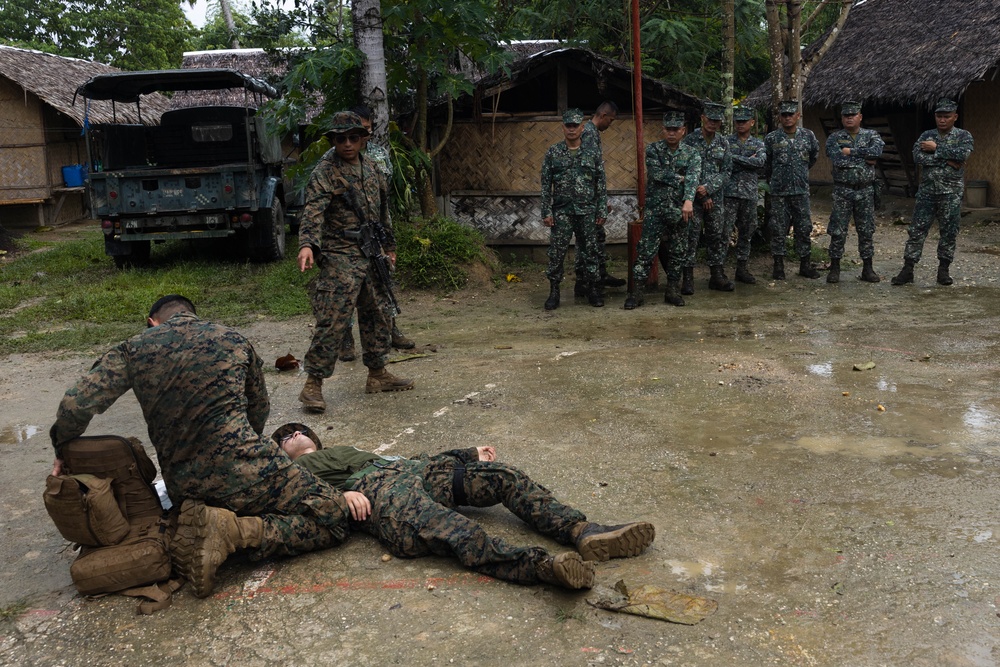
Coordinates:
[205,537]
[311,395]
[567,569]
[597,542]
[399,341]
[382,380]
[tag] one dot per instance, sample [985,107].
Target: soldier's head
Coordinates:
[711,117]
[365,114]
[296,439]
[166,307]
[572,125]
[606,114]
[674,128]
[347,133]
[945,114]
[850,116]
[788,114]
[743,120]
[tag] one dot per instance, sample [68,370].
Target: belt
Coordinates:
[458,486]
[853,186]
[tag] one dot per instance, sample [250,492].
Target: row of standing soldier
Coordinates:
[705,183]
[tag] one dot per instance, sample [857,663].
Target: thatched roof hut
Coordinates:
[258,63]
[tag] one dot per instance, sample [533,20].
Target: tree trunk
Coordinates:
[795,51]
[227,16]
[776,48]
[425,184]
[728,60]
[366,16]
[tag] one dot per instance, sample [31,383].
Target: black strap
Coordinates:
[458,486]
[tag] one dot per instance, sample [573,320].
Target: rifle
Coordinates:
[372,236]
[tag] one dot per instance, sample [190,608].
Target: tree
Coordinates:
[373,85]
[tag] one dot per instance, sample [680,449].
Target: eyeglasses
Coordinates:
[288,437]
[347,138]
[571,126]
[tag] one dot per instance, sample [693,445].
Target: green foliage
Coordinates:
[13,610]
[432,253]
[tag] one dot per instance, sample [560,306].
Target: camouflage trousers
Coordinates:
[861,204]
[566,227]
[346,283]
[712,223]
[946,210]
[413,515]
[789,211]
[602,256]
[664,234]
[741,214]
[301,512]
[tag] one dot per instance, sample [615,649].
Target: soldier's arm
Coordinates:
[258,401]
[920,156]
[547,185]
[957,149]
[727,170]
[768,158]
[692,176]
[92,394]
[871,149]
[813,149]
[318,196]
[601,187]
[833,151]
[755,158]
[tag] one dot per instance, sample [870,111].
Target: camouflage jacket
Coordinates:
[671,176]
[202,392]
[327,213]
[854,169]
[789,159]
[591,138]
[937,176]
[716,162]
[749,158]
[380,156]
[573,181]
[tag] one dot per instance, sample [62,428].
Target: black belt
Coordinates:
[853,186]
[458,486]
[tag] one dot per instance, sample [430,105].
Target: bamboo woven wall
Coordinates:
[22,143]
[982,99]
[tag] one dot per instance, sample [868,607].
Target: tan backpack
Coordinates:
[108,486]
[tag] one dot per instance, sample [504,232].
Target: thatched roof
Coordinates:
[905,51]
[54,79]
[258,63]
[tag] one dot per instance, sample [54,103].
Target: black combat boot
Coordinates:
[905,274]
[673,295]
[806,269]
[553,301]
[594,297]
[834,275]
[778,273]
[580,288]
[609,280]
[719,281]
[687,281]
[633,300]
[743,273]
[943,277]
[868,272]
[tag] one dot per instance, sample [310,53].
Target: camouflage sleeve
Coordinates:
[547,184]
[768,157]
[258,402]
[833,147]
[872,148]
[94,393]
[319,195]
[813,149]
[754,160]
[601,186]
[692,177]
[958,148]
[727,169]
[923,157]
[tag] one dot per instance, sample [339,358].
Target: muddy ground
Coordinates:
[839,517]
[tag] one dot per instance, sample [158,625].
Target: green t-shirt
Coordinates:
[335,465]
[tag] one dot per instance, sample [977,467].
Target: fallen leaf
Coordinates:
[845,393]
[286,363]
[513,278]
[881,408]
[867,366]
[654,602]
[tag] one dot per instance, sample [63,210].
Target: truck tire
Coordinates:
[138,258]
[266,239]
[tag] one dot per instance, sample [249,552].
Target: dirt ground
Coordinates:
[838,517]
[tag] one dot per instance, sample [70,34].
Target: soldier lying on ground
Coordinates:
[409,506]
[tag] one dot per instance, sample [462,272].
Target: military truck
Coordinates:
[204,172]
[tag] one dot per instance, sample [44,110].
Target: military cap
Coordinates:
[290,428]
[788,106]
[714,111]
[343,122]
[572,117]
[673,119]
[742,113]
[945,105]
[850,108]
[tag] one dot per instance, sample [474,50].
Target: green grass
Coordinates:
[14,610]
[432,253]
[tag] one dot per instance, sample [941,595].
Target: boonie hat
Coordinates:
[850,108]
[292,427]
[945,105]
[343,122]
[742,113]
[572,117]
[673,119]
[714,111]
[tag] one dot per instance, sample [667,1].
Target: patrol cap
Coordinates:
[945,105]
[291,427]
[673,119]
[788,106]
[572,117]
[850,108]
[742,113]
[714,111]
[343,122]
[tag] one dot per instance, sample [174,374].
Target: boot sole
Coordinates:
[626,542]
[379,390]
[187,548]
[573,572]
[312,406]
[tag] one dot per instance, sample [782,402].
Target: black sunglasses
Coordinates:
[345,138]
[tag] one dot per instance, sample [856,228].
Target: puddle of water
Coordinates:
[17,433]
[694,569]
[979,418]
[874,447]
[823,370]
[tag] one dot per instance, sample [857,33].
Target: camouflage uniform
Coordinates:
[789,159]
[716,168]
[671,179]
[202,392]
[853,189]
[749,158]
[939,197]
[379,155]
[591,141]
[346,278]
[574,193]
[413,501]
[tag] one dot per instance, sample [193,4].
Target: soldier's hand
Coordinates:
[701,191]
[392,258]
[361,507]
[487,453]
[687,210]
[548,221]
[708,205]
[57,467]
[955,164]
[305,259]
[928,146]
[600,221]
[845,151]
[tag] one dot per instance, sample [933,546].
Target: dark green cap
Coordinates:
[343,122]
[742,113]
[290,428]
[572,117]
[850,108]
[673,119]
[945,105]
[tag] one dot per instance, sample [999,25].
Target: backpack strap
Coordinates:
[160,595]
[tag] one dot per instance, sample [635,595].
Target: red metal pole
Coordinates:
[635,227]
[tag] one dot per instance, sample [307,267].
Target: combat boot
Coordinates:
[778,272]
[743,273]
[399,341]
[687,281]
[311,396]
[905,274]
[633,300]
[204,538]
[597,542]
[382,380]
[868,272]
[553,301]
[806,269]
[834,275]
[347,347]
[580,288]
[719,281]
[609,280]
[594,297]
[568,570]
[943,277]
[673,295]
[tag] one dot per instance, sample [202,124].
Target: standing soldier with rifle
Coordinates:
[347,207]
